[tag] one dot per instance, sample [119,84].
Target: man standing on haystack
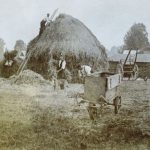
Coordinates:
[42,27]
[45,22]
[47,19]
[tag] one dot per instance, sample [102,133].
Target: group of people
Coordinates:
[83,70]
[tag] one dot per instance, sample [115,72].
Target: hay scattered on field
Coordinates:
[28,77]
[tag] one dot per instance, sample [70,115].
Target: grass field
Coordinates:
[34,117]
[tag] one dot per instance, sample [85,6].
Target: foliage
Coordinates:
[136,37]
[117,49]
[10,55]
[20,45]
[2,43]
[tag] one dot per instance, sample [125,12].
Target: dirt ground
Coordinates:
[20,103]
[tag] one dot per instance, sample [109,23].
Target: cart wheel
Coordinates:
[117,104]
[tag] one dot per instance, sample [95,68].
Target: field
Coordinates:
[35,117]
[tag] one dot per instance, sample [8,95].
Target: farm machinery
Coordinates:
[128,67]
[102,89]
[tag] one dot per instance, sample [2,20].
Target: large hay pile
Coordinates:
[71,37]
[28,77]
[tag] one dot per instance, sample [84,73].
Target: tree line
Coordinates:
[135,38]
[19,46]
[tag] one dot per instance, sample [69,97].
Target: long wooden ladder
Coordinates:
[23,64]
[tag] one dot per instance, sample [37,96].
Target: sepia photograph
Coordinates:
[74,75]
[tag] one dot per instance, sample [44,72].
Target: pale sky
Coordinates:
[109,20]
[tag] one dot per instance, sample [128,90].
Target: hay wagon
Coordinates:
[102,88]
[129,68]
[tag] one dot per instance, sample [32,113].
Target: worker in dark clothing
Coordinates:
[42,26]
[45,22]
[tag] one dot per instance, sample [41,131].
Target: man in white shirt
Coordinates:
[61,68]
[84,70]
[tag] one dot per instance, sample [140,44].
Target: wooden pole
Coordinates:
[52,16]
[127,57]
[24,63]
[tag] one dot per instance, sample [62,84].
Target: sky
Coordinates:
[109,20]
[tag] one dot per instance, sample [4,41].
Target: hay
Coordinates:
[71,37]
[28,77]
[67,34]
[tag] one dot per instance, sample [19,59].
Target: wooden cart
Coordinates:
[128,68]
[103,88]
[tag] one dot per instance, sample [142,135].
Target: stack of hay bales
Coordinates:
[70,37]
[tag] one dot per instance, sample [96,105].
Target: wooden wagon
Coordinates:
[128,67]
[103,88]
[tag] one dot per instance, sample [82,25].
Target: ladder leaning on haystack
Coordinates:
[22,66]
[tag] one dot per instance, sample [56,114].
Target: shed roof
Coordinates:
[127,51]
[140,57]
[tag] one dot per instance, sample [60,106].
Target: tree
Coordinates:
[136,37]
[120,49]
[20,46]
[116,50]
[2,44]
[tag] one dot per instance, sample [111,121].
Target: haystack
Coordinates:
[28,77]
[70,37]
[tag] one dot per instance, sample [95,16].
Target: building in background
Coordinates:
[143,63]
